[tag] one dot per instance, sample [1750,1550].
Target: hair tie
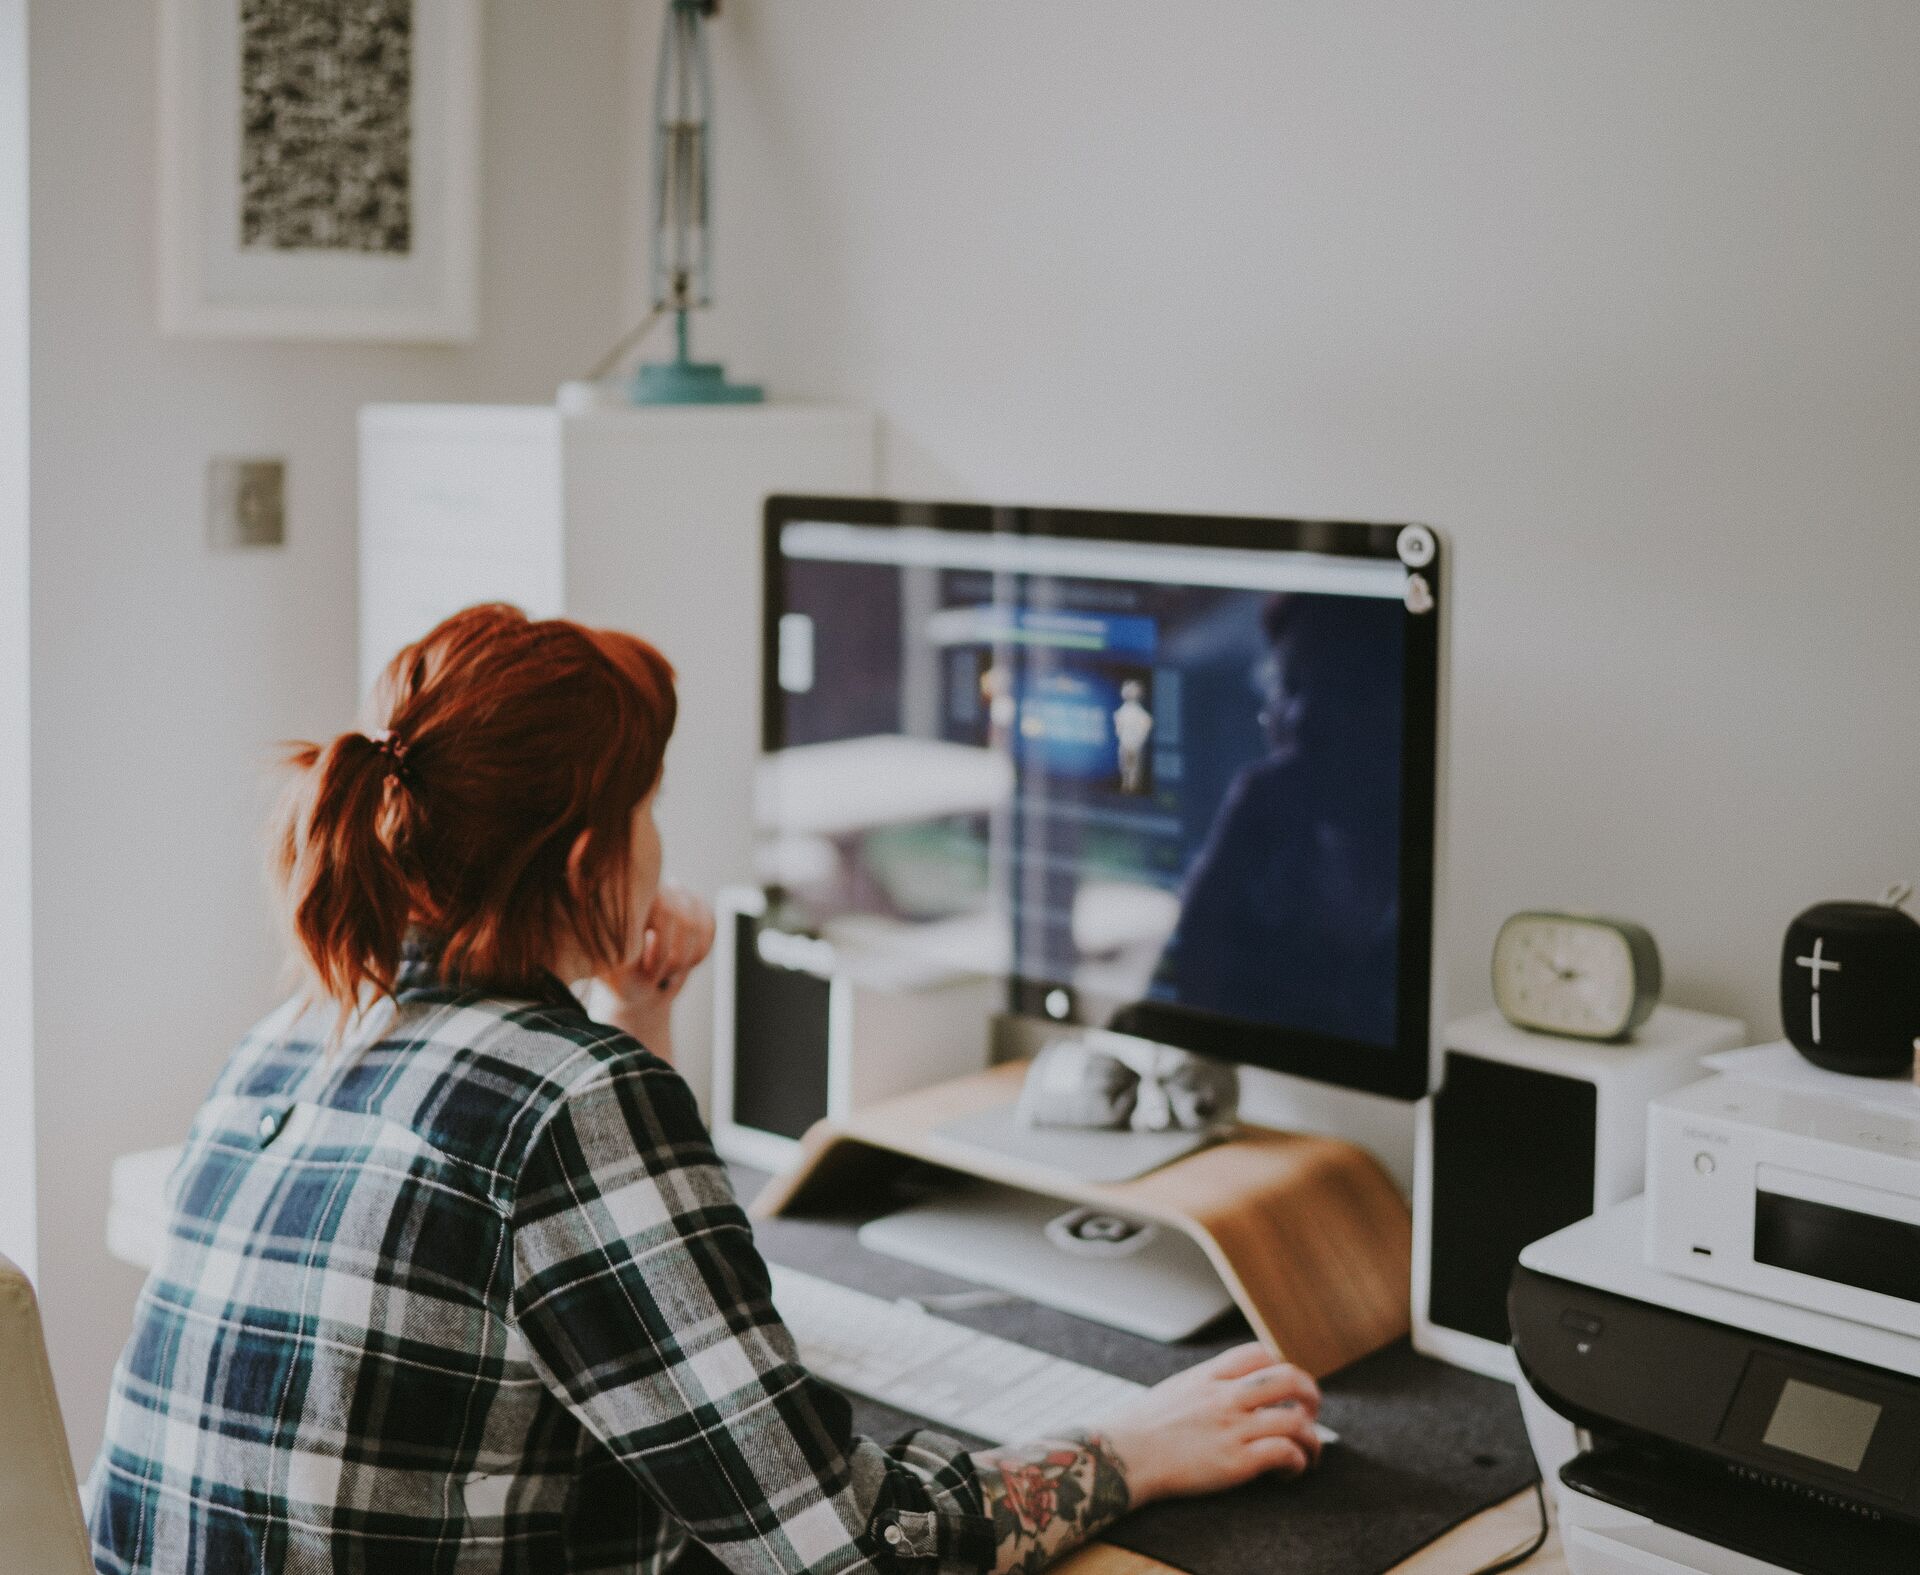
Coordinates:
[394,749]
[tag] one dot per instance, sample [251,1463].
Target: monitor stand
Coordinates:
[1084,1153]
[1307,1234]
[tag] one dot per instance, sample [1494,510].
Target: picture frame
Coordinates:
[319,170]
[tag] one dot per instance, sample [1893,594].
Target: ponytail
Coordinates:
[341,868]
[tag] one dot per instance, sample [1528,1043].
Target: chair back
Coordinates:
[41,1528]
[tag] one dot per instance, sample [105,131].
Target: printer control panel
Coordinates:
[1820,1420]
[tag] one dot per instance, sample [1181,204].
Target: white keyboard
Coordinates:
[902,1356]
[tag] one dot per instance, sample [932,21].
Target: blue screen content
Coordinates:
[1145,773]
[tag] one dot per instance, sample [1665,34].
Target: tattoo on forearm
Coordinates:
[1048,1497]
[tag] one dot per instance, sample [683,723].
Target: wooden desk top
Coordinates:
[1481,1541]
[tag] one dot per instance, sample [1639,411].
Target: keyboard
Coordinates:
[899,1354]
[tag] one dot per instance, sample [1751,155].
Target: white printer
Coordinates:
[1708,1431]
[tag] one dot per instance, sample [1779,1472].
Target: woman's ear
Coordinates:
[579,908]
[576,859]
[598,917]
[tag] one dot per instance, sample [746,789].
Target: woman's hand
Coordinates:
[1216,1426]
[1212,1427]
[675,939]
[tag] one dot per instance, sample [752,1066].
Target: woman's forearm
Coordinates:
[1048,1497]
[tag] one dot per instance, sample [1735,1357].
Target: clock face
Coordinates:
[1569,975]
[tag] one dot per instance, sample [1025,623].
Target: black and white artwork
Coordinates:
[319,169]
[326,125]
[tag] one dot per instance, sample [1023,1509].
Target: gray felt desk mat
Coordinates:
[1423,1446]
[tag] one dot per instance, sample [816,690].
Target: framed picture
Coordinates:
[319,169]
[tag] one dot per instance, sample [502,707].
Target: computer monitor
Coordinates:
[1169,774]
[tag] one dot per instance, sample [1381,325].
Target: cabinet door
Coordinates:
[457,505]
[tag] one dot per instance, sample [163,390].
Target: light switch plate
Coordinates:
[246,502]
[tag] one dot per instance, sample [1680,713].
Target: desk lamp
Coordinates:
[682,199]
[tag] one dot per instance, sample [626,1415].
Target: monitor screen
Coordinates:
[1172,775]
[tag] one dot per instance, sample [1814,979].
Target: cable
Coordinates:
[1513,1561]
[627,341]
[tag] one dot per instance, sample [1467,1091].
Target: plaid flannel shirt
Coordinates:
[477,1296]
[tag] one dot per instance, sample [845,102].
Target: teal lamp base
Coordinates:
[690,383]
[685,381]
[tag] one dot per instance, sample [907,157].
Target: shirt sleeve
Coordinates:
[647,1306]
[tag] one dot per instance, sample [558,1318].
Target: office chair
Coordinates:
[40,1523]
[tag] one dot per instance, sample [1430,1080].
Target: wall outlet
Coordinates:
[246,502]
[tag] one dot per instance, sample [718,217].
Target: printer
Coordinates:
[1699,1429]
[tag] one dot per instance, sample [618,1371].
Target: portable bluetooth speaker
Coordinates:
[1850,986]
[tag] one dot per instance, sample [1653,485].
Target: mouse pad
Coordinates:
[1423,1445]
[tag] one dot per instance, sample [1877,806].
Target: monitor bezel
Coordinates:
[1402,1071]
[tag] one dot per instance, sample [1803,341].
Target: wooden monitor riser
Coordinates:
[1308,1234]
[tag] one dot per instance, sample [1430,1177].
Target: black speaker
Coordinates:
[1515,1152]
[1850,987]
[1529,1133]
[801,1033]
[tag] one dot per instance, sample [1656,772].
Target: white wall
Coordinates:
[16,928]
[162,672]
[1621,293]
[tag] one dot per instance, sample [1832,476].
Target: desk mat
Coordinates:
[1423,1446]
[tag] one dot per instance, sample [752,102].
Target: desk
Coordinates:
[135,1227]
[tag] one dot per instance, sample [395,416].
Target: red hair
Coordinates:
[492,808]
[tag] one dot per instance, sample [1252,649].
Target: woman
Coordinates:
[454,1281]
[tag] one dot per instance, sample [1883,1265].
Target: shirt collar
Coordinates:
[419,971]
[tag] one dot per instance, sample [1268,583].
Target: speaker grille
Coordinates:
[779,1041]
[1513,1160]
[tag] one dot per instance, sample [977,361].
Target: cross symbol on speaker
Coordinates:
[1815,964]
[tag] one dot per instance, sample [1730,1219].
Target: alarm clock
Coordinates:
[1850,986]
[1575,974]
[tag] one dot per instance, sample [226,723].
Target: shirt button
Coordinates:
[271,1122]
[894,1535]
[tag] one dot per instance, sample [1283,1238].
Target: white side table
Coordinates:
[136,1210]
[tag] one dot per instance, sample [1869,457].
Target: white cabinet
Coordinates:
[648,520]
